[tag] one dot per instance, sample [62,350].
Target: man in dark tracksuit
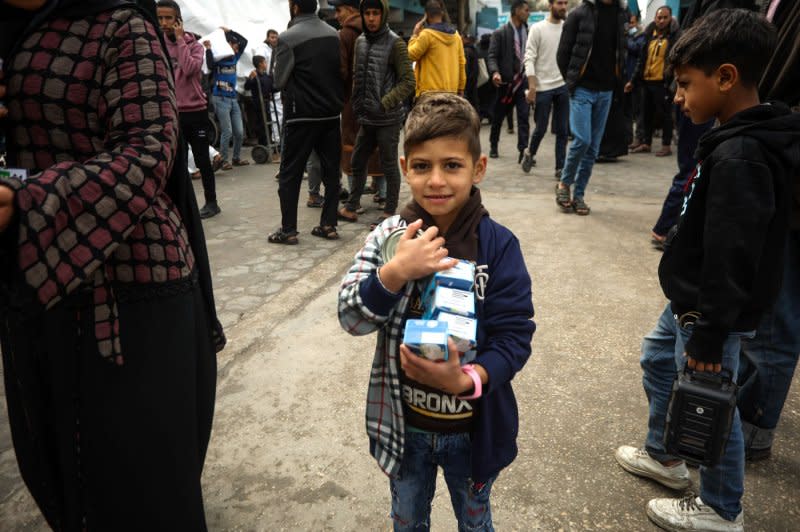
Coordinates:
[507,72]
[307,73]
[591,57]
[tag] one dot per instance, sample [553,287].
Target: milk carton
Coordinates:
[427,338]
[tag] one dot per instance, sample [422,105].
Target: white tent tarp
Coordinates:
[250,18]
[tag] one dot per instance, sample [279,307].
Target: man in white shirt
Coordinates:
[546,86]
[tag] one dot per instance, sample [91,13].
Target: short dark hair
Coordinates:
[434,8]
[258,59]
[443,114]
[665,6]
[516,4]
[271,31]
[305,6]
[737,36]
[172,5]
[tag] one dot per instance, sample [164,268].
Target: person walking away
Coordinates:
[546,87]
[306,71]
[436,48]
[460,425]
[591,56]
[633,99]
[225,98]
[653,79]
[382,80]
[507,70]
[107,322]
[723,267]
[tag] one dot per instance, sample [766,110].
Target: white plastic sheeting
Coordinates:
[251,18]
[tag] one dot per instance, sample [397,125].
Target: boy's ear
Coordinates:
[480,169]
[403,165]
[727,76]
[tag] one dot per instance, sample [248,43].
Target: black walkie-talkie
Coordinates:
[700,416]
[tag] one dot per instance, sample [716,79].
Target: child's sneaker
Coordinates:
[690,513]
[639,462]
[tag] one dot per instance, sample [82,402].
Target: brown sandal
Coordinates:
[563,199]
[346,215]
[328,232]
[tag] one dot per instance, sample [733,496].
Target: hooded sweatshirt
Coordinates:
[725,260]
[187,56]
[439,54]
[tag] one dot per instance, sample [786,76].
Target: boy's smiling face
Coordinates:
[440,173]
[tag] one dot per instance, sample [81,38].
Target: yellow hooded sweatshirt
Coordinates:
[439,56]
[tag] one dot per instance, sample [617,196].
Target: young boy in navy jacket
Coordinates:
[475,437]
[722,268]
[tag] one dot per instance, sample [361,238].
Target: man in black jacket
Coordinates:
[306,71]
[652,77]
[507,71]
[591,57]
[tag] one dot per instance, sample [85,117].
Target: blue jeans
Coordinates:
[721,487]
[229,116]
[413,489]
[769,360]
[558,99]
[588,111]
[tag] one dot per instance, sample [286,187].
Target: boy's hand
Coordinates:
[252,74]
[702,366]
[207,45]
[415,257]
[444,375]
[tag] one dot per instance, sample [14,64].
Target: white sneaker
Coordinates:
[639,462]
[690,513]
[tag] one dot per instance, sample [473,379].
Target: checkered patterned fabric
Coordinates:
[93,117]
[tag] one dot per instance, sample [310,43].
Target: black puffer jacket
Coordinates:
[577,37]
[672,35]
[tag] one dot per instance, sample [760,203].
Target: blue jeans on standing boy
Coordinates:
[558,99]
[588,112]
[722,486]
[769,359]
[413,490]
[229,116]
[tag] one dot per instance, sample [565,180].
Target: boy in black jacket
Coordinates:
[257,77]
[722,268]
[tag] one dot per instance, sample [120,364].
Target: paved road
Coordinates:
[289,451]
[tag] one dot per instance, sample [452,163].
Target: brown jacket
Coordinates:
[350,31]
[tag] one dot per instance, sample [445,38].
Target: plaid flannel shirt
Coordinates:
[384,417]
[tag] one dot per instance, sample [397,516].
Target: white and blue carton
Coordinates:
[427,338]
[461,329]
[461,276]
[443,299]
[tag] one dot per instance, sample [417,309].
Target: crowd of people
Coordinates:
[109,328]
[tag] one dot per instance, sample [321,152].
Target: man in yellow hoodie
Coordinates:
[437,49]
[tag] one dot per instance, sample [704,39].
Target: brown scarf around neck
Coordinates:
[461,239]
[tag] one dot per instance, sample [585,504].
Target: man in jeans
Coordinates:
[546,87]
[382,80]
[306,70]
[224,96]
[590,57]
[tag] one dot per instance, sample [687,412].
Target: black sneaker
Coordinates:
[528,161]
[209,210]
[493,152]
